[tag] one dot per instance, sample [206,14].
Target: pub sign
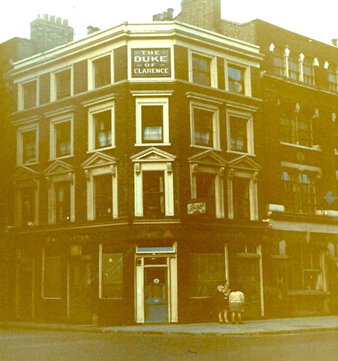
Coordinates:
[150,63]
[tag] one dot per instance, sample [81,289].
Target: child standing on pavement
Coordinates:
[236,305]
[222,303]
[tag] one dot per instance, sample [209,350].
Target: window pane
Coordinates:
[206,272]
[62,84]
[238,134]
[278,64]
[153,194]
[102,71]
[203,127]
[112,276]
[205,191]
[29,94]
[308,73]
[62,138]
[201,70]
[103,131]
[293,69]
[236,79]
[28,206]
[62,201]
[152,123]
[103,196]
[29,146]
[241,198]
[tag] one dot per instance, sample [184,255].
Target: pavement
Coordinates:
[250,327]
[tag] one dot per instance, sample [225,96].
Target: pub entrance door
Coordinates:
[79,289]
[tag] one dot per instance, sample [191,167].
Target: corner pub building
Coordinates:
[138,183]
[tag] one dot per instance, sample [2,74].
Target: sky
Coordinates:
[312,18]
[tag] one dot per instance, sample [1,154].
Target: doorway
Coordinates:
[79,289]
[156,294]
[156,285]
[25,289]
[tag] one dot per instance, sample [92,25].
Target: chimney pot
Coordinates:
[45,16]
[58,20]
[170,12]
[52,19]
[65,22]
[335,42]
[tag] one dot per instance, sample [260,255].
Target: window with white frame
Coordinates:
[101,71]
[293,68]
[26,203]
[51,273]
[101,127]
[236,79]
[332,77]
[152,121]
[243,192]
[299,191]
[61,196]
[154,186]
[204,125]
[308,71]
[61,136]
[101,174]
[278,62]
[240,131]
[62,84]
[29,95]
[203,70]
[296,125]
[111,275]
[27,144]
[207,186]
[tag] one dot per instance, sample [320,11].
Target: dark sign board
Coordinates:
[150,63]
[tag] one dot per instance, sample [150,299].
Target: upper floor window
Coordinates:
[293,69]
[331,76]
[152,121]
[61,138]
[242,189]
[296,126]
[204,125]
[153,182]
[207,182]
[307,72]
[241,198]
[236,80]
[61,192]
[201,69]
[153,194]
[102,71]
[29,94]
[27,144]
[240,131]
[62,201]
[278,63]
[62,84]
[26,197]
[101,173]
[299,191]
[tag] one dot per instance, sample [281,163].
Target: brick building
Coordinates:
[154,161]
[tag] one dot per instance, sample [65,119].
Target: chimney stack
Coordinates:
[46,33]
[205,14]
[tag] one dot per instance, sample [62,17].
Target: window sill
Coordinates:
[241,153]
[308,293]
[204,147]
[152,144]
[314,147]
